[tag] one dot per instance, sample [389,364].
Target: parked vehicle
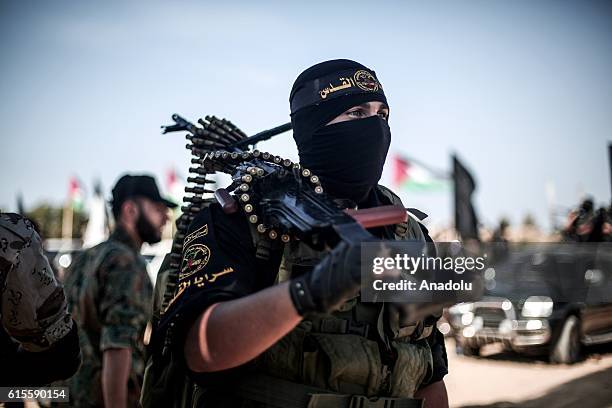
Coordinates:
[549,299]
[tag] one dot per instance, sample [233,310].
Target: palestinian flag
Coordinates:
[75,193]
[175,185]
[410,175]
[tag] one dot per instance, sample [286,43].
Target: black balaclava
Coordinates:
[348,156]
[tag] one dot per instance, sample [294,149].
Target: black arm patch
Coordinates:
[217,264]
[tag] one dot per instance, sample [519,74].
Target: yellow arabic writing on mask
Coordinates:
[345,83]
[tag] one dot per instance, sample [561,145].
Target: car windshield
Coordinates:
[537,273]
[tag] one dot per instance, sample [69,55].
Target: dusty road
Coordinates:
[505,380]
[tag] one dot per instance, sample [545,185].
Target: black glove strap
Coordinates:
[301,296]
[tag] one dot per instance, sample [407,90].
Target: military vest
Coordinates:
[364,348]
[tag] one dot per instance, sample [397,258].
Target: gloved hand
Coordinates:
[332,282]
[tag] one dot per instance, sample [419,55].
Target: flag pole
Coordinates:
[610,163]
[67,218]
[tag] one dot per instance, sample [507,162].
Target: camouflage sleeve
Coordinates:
[33,304]
[125,300]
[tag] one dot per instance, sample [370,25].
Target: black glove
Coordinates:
[332,282]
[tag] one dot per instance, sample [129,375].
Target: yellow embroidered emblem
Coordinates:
[200,232]
[366,81]
[194,258]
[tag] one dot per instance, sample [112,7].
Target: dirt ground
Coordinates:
[505,380]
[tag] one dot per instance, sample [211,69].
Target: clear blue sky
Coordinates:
[521,90]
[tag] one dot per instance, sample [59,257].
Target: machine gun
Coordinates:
[283,200]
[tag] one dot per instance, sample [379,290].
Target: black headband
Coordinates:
[331,86]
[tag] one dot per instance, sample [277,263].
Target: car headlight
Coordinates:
[537,306]
[467,318]
[65,260]
[534,325]
[461,308]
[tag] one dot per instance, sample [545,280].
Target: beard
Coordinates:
[146,230]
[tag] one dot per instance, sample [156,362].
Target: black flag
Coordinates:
[466,222]
[610,162]
[20,206]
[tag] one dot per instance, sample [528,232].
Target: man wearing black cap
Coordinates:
[307,341]
[110,294]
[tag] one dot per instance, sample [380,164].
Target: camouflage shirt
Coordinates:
[38,339]
[109,294]
[32,302]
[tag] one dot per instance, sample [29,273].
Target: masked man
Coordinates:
[110,296]
[291,331]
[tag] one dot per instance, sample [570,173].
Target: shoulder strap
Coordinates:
[263,246]
[413,227]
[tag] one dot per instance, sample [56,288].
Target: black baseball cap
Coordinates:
[130,186]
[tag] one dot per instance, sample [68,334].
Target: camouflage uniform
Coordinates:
[38,339]
[109,293]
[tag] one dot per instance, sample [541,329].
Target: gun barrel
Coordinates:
[222,131]
[261,136]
